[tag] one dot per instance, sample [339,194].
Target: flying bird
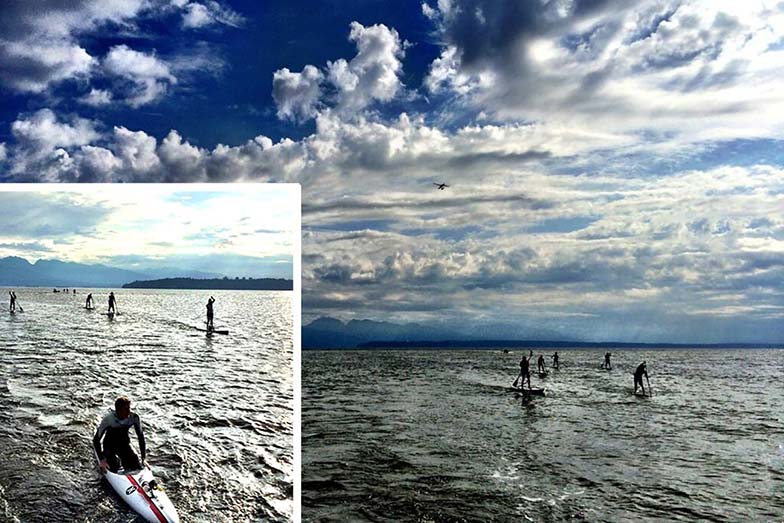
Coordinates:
[441,186]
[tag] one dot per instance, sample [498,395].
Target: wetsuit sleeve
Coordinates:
[99,432]
[137,426]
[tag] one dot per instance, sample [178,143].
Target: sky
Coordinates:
[616,168]
[250,232]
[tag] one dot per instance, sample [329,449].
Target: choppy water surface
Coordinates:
[436,436]
[217,410]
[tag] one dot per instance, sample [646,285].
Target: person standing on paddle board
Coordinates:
[12,306]
[89,303]
[112,302]
[606,364]
[540,364]
[642,370]
[524,370]
[555,360]
[115,449]
[210,315]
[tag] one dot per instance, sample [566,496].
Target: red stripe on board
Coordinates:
[154,508]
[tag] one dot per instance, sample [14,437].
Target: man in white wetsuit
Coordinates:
[116,446]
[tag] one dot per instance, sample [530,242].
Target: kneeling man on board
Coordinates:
[116,448]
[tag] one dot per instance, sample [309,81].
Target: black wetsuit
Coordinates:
[89,303]
[210,314]
[116,448]
[13,301]
[111,302]
[607,360]
[540,364]
[524,372]
[555,360]
[642,370]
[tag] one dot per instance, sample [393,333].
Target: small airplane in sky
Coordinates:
[441,186]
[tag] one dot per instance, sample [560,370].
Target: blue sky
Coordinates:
[615,167]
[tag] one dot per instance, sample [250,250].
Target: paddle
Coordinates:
[650,390]
[517,378]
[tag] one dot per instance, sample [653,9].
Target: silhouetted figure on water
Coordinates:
[642,370]
[89,303]
[210,314]
[12,306]
[525,364]
[112,303]
[540,364]
[606,364]
[555,360]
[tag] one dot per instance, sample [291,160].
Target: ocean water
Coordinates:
[436,436]
[217,411]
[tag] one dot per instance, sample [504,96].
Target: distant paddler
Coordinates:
[111,441]
[112,303]
[555,360]
[642,370]
[540,365]
[606,364]
[89,303]
[525,364]
[210,314]
[12,305]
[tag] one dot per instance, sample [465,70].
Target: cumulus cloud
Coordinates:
[149,77]
[42,132]
[373,75]
[297,95]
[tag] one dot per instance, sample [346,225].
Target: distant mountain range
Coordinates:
[18,272]
[237,284]
[329,333]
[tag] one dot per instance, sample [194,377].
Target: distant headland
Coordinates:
[236,284]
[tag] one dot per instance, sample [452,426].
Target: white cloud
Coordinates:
[683,71]
[297,95]
[97,98]
[148,75]
[31,66]
[199,15]
[373,75]
[40,48]
[43,132]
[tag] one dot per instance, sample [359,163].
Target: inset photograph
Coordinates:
[147,344]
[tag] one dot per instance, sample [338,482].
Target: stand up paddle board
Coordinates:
[214,331]
[542,375]
[141,492]
[531,392]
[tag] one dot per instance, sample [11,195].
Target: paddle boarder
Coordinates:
[89,303]
[642,370]
[540,364]
[524,370]
[112,302]
[210,325]
[606,364]
[12,306]
[555,360]
[115,449]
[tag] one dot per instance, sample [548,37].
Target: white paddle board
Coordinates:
[142,493]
